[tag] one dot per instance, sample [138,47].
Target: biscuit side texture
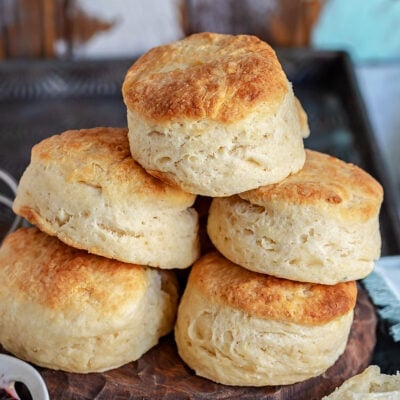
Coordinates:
[207,158]
[296,242]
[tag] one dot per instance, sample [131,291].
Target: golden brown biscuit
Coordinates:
[84,187]
[63,308]
[239,327]
[319,225]
[211,104]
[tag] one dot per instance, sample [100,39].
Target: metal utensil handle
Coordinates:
[13,185]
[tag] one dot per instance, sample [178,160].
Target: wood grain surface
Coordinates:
[161,374]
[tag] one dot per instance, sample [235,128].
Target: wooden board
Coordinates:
[161,374]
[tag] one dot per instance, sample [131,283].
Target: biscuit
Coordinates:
[238,327]
[370,384]
[319,225]
[84,187]
[211,104]
[63,308]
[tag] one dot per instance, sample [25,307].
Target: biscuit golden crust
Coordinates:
[326,182]
[100,157]
[264,296]
[61,277]
[207,75]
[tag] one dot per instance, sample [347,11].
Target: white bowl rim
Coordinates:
[13,369]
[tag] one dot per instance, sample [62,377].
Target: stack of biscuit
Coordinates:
[91,286]
[293,229]
[212,116]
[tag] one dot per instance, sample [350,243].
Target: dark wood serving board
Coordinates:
[161,374]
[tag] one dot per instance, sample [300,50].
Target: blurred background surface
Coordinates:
[103,29]
[82,29]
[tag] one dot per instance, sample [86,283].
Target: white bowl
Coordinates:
[14,370]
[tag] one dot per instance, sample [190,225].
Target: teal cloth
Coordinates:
[367,30]
[383,286]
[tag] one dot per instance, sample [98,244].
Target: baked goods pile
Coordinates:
[212,115]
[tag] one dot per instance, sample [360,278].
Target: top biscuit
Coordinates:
[211,104]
